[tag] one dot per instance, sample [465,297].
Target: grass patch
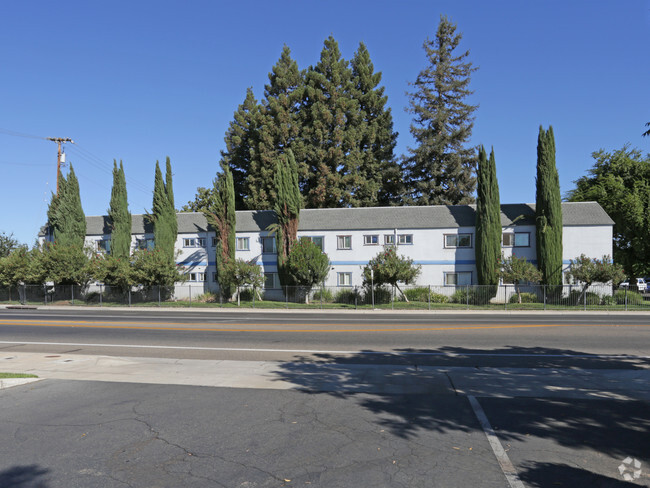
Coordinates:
[17,375]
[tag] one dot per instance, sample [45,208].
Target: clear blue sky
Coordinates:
[142,80]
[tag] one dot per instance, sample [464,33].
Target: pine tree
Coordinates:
[379,174]
[279,128]
[548,210]
[488,220]
[241,154]
[440,169]
[164,238]
[65,214]
[220,214]
[287,210]
[119,215]
[329,117]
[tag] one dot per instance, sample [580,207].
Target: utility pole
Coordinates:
[60,156]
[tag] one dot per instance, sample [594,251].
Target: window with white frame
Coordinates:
[318,240]
[243,243]
[344,279]
[344,242]
[194,242]
[146,243]
[196,276]
[389,239]
[268,245]
[403,239]
[104,246]
[271,281]
[462,278]
[516,239]
[458,240]
[370,240]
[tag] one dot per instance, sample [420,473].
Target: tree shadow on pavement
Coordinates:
[543,475]
[24,477]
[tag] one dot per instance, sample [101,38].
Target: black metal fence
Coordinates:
[504,297]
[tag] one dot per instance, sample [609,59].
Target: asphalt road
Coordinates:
[513,410]
[508,340]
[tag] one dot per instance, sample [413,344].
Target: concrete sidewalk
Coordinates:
[332,377]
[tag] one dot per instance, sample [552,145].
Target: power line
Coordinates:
[19,134]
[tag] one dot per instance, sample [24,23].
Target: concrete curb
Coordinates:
[9,382]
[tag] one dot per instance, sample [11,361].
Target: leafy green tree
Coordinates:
[620,182]
[112,270]
[219,211]
[518,271]
[66,217]
[440,169]
[379,179]
[21,266]
[287,205]
[154,268]
[329,117]
[64,264]
[241,156]
[307,265]
[647,133]
[548,210]
[164,216]
[200,200]
[278,130]
[7,244]
[589,271]
[119,215]
[389,268]
[488,221]
[239,273]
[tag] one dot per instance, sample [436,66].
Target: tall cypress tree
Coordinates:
[287,210]
[548,210]
[163,235]
[440,169]
[241,153]
[120,215]
[279,128]
[65,214]
[329,115]
[379,174]
[220,213]
[171,208]
[488,220]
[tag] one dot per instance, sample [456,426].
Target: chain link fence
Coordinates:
[503,297]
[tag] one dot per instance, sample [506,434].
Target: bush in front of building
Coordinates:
[525,298]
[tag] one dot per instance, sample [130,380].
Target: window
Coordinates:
[458,240]
[516,239]
[144,244]
[243,243]
[104,246]
[197,277]
[200,242]
[389,239]
[214,276]
[194,242]
[344,242]
[405,239]
[268,245]
[370,240]
[318,240]
[214,242]
[271,280]
[344,279]
[458,279]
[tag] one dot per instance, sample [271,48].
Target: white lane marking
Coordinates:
[504,461]
[317,351]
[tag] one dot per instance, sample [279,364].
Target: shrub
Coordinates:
[633,298]
[348,296]
[424,294]
[325,294]
[382,295]
[246,294]
[525,298]
[475,296]
[208,297]
[439,298]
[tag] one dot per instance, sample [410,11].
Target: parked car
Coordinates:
[641,284]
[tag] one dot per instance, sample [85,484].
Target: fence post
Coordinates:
[392,299]
[159,295]
[584,300]
[72,293]
[429,297]
[356,296]
[322,290]
[253,297]
[544,297]
[190,295]
[24,300]
[467,295]
[505,297]
[626,299]
[45,294]
[129,296]
[100,294]
[286,296]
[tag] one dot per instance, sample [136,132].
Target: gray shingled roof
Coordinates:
[431,217]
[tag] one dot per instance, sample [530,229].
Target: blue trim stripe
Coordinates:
[424,262]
